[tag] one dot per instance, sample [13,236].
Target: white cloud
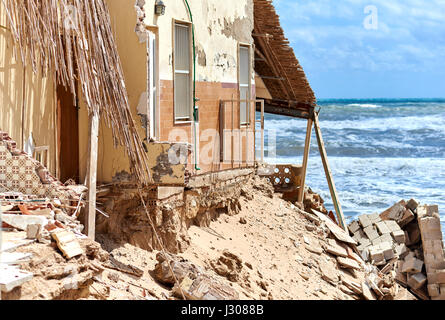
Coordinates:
[329,34]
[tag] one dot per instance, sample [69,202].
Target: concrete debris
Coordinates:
[204,288]
[112,263]
[12,277]
[408,235]
[67,243]
[181,268]
[229,265]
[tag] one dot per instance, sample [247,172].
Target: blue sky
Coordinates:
[402,57]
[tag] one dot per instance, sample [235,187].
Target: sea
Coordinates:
[380,151]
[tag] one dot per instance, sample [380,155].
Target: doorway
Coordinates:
[68,135]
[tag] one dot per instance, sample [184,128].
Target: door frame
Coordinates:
[153,87]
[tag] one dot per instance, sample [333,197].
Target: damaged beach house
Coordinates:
[137,118]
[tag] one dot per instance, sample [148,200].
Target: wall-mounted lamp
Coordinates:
[159,8]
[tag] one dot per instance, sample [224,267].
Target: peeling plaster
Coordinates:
[140,26]
[202,57]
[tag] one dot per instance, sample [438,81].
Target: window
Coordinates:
[182,73]
[244,83]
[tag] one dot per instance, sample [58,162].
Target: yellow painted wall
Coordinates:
[134,62]
[17,85]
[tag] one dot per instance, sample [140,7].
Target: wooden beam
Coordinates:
[296,113]
[324,158]
[307,146]
[271,78]
[90,221]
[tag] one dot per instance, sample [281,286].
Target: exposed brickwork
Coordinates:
[209,94]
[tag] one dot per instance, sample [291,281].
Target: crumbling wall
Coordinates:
[20,174]
[172,217]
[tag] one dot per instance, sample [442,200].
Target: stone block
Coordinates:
[387,249]
[358,235]
[375,218]
[431,209]
[382,228]
[383,238]
[365,242]
[412,205]
[401,250]
[413,232]
[416,281]
[371,233]
[399,236]
[364,220]
[433,290]
[406,218]
[395,212]
[33,231]
[392,225]
[354,226]
[412,265]
[365,254]
[376,242]
[376,254]
[440,277]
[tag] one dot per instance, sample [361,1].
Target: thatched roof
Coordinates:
[277,66]
[46,37]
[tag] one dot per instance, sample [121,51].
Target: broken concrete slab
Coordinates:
[334,248]
[348,263]
[12,258]
[21,222]
[12,277]
[366,291]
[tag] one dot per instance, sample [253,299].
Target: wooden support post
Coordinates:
[307,146]
[90,221]
[324,159]
[262,131]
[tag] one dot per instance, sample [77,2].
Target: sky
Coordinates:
[368,49]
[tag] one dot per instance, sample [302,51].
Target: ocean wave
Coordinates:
[363,105]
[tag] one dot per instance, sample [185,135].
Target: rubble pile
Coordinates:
[405,241]
[190,281]
[26,220]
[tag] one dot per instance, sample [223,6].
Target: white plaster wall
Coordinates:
[210,18]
